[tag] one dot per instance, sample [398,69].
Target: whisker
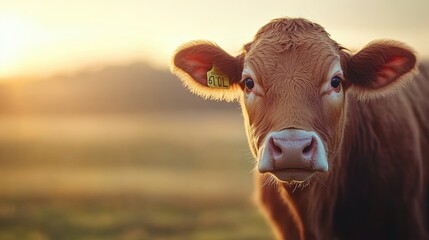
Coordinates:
[295,186]
[266,183]
[270,181]
[274,182]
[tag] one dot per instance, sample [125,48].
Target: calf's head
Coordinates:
[293,82]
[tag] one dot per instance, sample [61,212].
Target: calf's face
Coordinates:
[292,82]
[293,101]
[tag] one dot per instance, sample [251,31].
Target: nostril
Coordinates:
[275,148]
[309,148]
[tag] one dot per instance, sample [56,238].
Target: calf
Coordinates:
[341,140]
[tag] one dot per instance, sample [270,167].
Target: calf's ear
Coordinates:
[380,68]
[208,71]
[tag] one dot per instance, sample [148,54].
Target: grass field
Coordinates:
[161,176]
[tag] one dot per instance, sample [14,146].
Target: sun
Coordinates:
[18,37]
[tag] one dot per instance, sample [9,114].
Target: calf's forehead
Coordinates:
[308,62]
[289,47]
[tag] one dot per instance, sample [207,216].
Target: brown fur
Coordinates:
[376,139]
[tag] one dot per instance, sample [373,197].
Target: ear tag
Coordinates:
[216,79]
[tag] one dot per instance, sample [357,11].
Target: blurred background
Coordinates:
[99,141]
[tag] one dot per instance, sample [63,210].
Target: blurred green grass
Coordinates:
[163,176]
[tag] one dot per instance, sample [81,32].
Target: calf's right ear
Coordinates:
[208,71]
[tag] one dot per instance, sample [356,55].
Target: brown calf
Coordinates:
[341,145]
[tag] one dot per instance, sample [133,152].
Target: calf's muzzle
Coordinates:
[292,155]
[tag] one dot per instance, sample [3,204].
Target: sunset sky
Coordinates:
[51,36]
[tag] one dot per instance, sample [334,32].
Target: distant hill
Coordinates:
[134,88]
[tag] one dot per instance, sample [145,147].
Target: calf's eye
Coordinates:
[335,82]
[249,83]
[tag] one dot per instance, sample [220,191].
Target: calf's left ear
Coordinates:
[380,68]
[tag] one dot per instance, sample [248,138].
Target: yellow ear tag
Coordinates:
[216,79]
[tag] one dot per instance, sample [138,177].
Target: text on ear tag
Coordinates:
[216,79]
